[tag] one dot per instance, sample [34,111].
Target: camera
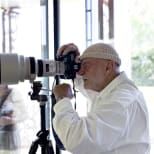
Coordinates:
[16,68]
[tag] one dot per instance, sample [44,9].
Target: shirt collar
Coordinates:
[114,83]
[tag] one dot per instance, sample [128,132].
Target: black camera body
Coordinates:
[70,66]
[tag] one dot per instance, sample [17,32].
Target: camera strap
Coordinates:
[74,90]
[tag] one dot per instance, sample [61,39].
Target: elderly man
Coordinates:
[117,119]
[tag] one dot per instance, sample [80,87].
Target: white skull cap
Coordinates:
[101,50]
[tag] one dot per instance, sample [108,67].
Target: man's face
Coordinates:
[95,73]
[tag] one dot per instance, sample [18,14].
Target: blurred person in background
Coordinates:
[12,112]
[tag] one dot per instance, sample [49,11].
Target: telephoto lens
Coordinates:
[16,68]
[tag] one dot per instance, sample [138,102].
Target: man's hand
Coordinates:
[62,90]
[6,120]
[65,49]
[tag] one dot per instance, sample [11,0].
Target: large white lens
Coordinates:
[13,68]
[16,68]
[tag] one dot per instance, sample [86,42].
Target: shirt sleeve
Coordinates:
[99,131]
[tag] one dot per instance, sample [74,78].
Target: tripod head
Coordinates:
[34,95]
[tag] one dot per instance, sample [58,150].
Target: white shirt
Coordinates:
[116,123]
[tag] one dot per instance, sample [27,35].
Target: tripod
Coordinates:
[43,134]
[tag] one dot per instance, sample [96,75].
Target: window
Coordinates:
[106,19]
[20,34]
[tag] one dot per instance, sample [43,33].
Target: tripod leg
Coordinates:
[33,147]
[50,148]
[46,148]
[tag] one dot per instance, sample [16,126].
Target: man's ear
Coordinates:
[109,66]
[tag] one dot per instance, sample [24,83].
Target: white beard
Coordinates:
[88,93]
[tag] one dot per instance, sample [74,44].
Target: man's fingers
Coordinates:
[65,49]
[60,50]
[63,90]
